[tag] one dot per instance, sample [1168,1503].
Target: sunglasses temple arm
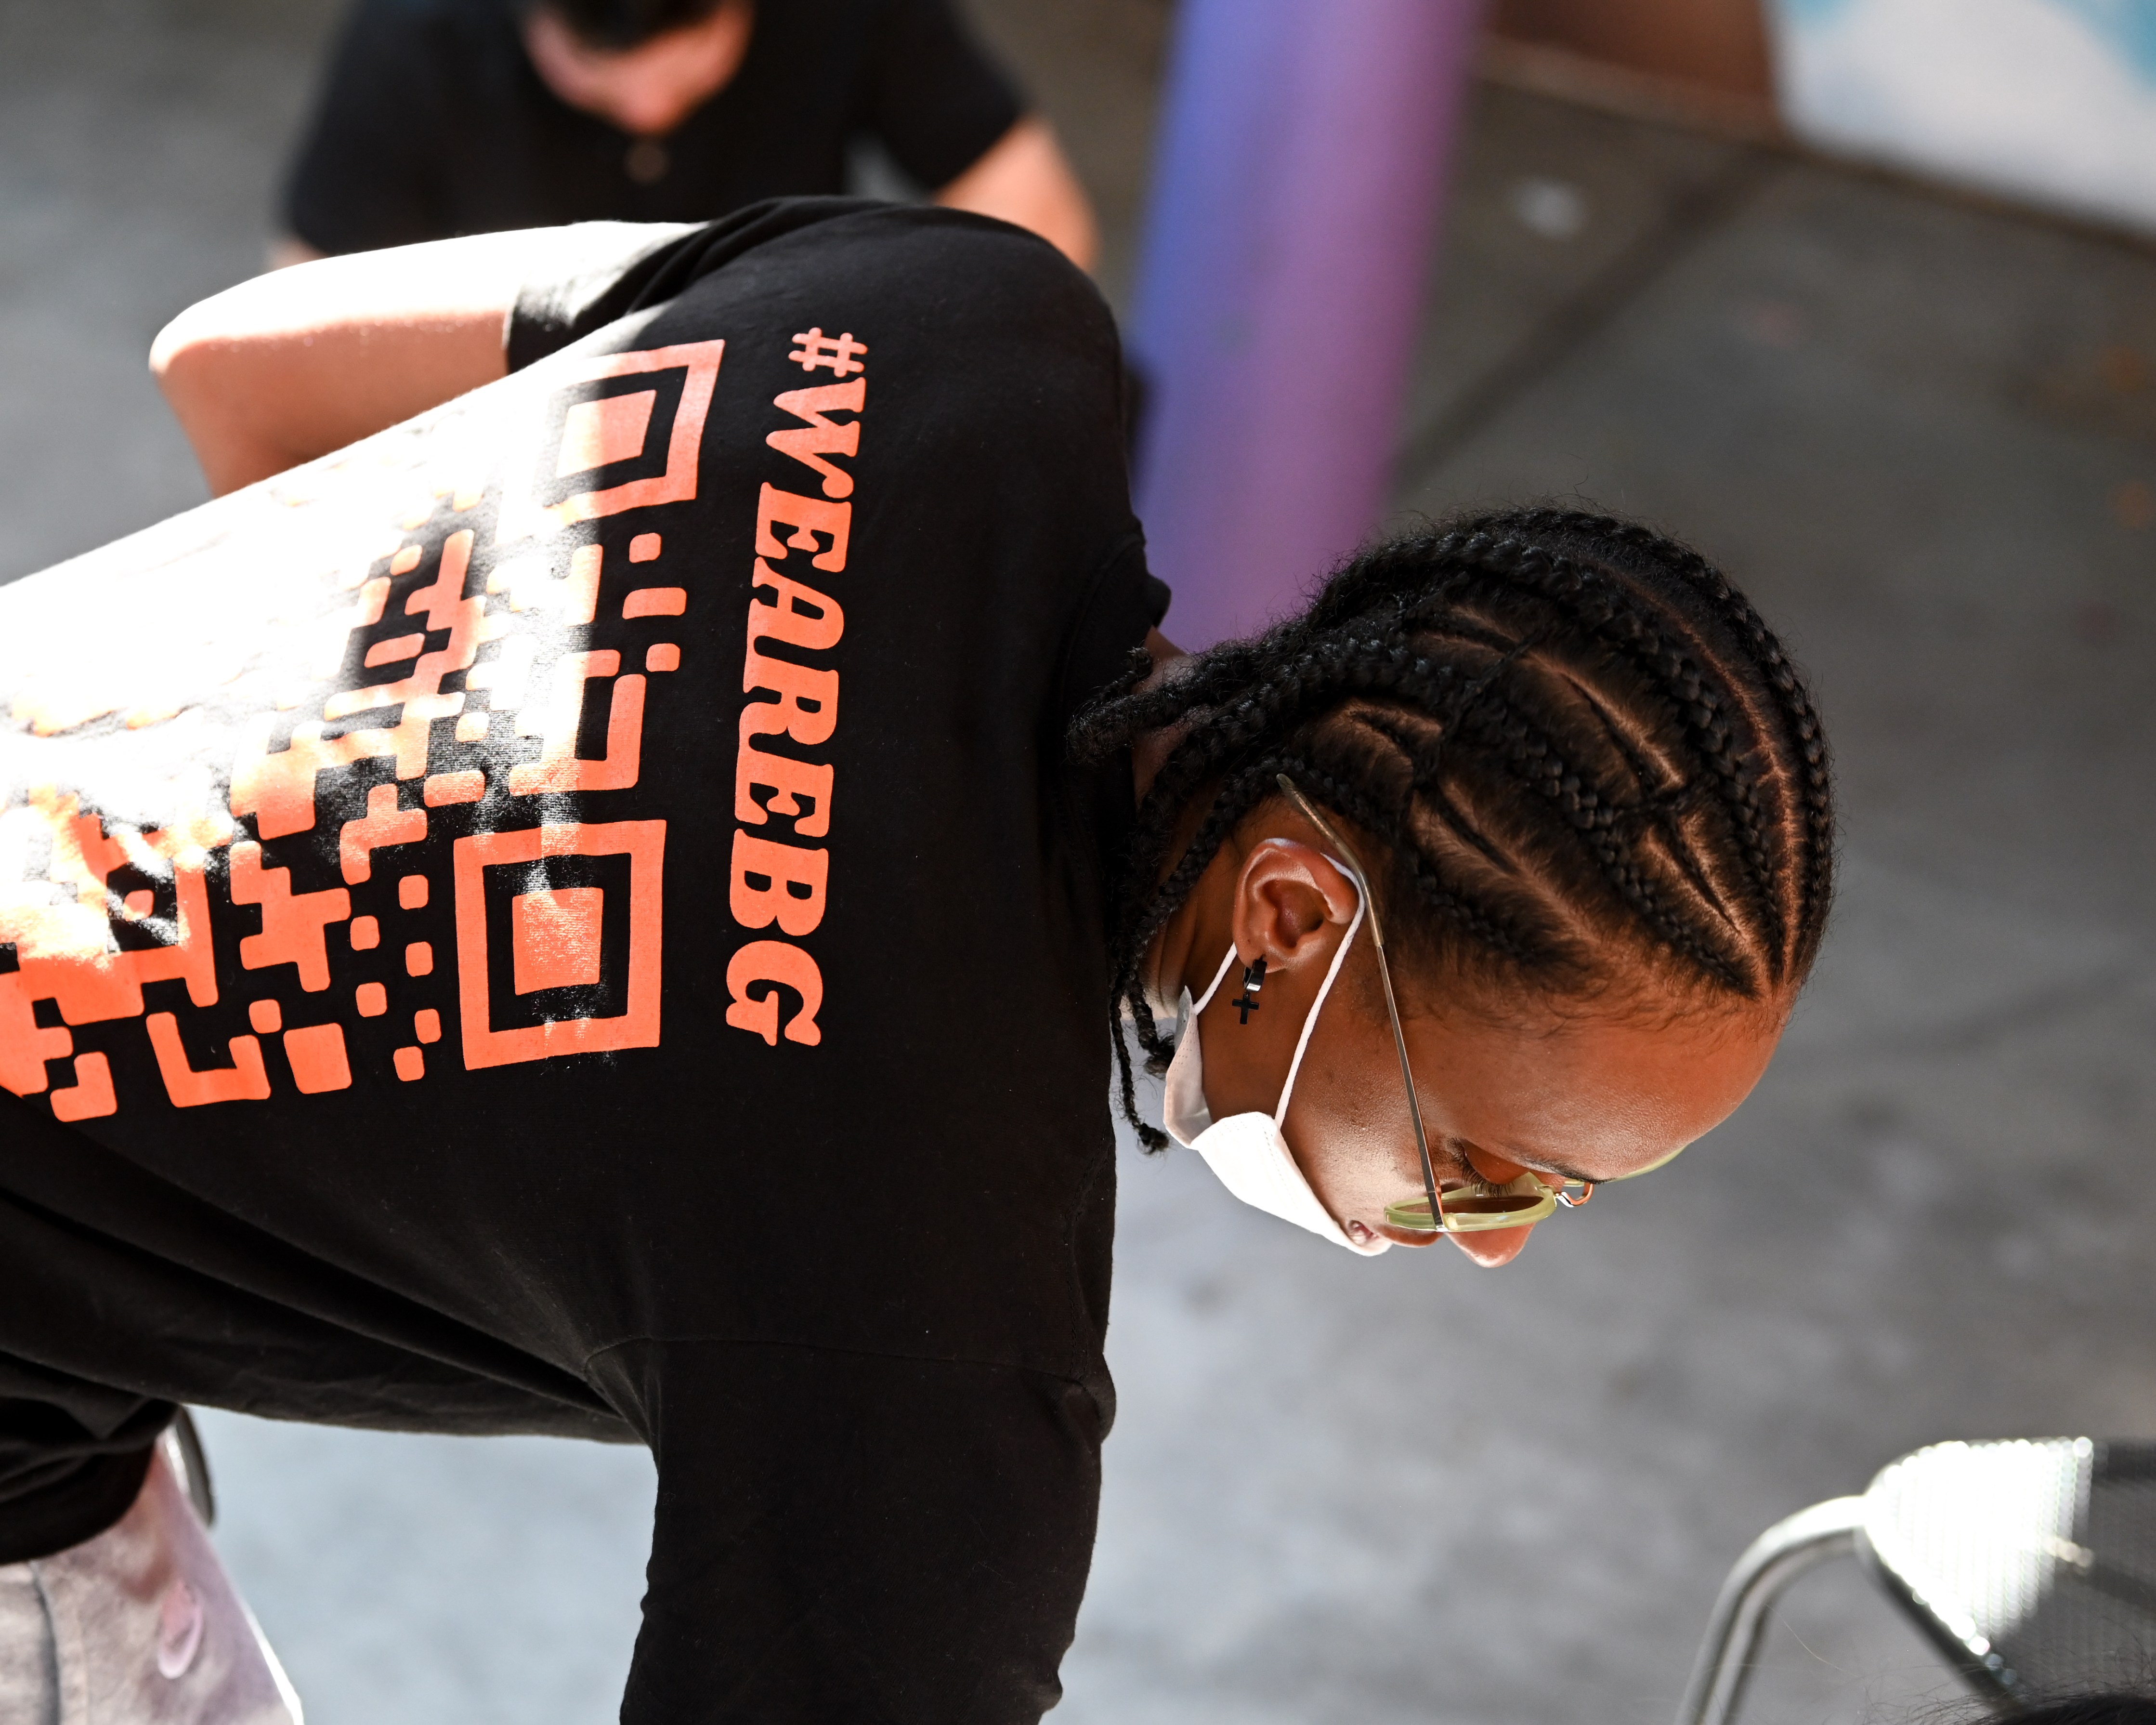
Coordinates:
[1392,1006]
[1407,1080]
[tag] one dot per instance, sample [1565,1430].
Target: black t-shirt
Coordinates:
[572,916]
[431,122]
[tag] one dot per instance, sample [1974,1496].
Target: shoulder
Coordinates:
[402,70]
[954,257]
[921,264]
[812,40]
[934,264]
[441,14]
[998,304]
[843,27]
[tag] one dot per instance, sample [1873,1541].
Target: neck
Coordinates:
[1150,750]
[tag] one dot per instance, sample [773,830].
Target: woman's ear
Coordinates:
[1285,895]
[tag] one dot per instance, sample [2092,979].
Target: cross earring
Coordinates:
[1253,979]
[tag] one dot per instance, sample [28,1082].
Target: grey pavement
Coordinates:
[1923,433]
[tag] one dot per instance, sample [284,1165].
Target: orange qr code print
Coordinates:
[335,780]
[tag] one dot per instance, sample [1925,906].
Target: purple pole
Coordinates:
[1299,171]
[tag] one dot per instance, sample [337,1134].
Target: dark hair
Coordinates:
[1577,749]
[2117,1709]
[625,23]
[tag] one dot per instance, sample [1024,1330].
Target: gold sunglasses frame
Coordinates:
[1481,1206]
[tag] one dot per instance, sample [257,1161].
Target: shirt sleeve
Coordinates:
[937,99]
[72,1456]
[362,179]
[597,265]
[851,1536]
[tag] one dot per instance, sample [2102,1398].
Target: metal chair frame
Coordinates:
[1790,1549]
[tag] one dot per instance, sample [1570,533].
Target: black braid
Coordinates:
[1546,723]
[1792,698]
[1695,701]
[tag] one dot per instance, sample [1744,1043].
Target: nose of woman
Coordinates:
[1491,1247]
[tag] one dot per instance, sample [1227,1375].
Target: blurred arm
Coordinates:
[305,360]
[1025,178]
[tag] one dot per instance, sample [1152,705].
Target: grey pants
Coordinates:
[138,1626]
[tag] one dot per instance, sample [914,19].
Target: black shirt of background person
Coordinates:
[433,122]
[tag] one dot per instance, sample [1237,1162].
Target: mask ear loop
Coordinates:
[1385,976]
[1310,1023]
[1220,976]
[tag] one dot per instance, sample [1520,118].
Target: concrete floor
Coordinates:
[1920,432]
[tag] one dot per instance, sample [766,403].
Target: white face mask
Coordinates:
[1248,1151]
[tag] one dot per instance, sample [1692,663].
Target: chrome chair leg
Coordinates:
[1777,1557]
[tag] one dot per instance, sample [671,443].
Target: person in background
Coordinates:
[444,117]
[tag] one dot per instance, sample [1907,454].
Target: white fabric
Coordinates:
[139,1626]
[1248,1153]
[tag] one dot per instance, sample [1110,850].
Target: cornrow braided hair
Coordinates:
[1580,755]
